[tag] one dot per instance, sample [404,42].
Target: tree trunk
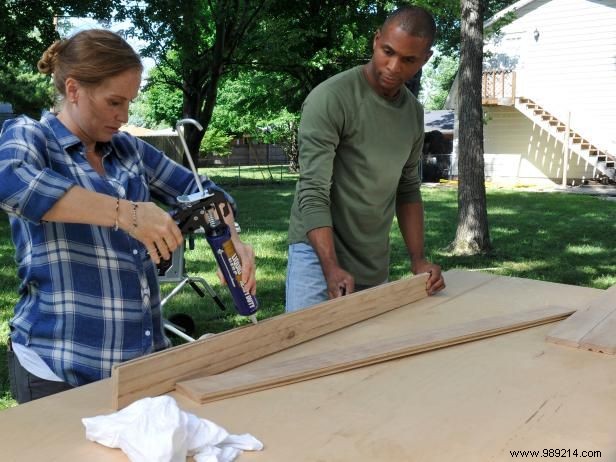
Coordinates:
[472,234]
[292,149]
[193,136]
[201,81]
[414,84]
[200,107]
[200,99]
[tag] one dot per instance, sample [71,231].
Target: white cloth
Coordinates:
[157,430]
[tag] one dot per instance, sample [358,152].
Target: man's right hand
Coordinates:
[339,282]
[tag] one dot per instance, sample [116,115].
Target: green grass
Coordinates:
[555,237]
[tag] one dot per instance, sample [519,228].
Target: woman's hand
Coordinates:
[247,257]
[151,226]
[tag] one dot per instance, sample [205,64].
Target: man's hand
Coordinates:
[339,282]
[435,281]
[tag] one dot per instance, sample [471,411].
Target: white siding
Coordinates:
[518,151]
[571,67]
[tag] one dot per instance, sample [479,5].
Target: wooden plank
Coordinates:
[234,383]
[572,331]
[158,373]
[602,339]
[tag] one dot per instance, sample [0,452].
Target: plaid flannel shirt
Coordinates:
[89,295]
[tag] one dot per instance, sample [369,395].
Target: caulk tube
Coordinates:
[218,235]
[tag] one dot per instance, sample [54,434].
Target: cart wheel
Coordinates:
[184,322]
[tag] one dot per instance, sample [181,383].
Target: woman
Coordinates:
[87,236]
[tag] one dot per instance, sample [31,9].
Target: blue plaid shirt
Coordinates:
[89,295]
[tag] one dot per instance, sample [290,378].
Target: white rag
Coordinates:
[157,430]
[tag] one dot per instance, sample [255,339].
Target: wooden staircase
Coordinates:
[603,162]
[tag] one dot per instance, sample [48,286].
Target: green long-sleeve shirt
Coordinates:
[358,156]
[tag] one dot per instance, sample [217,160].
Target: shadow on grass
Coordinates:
[553,237]
[251,176]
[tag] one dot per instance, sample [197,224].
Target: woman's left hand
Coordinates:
[247,257]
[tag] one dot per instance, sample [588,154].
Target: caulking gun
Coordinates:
[206,209]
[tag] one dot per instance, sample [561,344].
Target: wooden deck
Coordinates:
[498,88]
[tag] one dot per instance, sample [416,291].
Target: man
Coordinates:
[360,141]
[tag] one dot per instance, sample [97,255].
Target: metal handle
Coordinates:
[179,124]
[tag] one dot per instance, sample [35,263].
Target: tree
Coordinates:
[216,142]
[438,77]
[309,41]
[158,103]
[324,38]
[472,234]
[254,103]
[195,41]
[293,49]
[28,92]
[27,28]
[293,46]
[447,15]
[288,46]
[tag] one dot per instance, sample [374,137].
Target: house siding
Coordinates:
[570,68]
[518,151]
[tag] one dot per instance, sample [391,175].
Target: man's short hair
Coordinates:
[414,20]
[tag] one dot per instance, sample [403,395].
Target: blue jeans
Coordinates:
[306,285]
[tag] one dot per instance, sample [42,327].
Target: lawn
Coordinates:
[555,237]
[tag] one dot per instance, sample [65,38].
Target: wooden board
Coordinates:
[234,383]
[592,328]
[158,373]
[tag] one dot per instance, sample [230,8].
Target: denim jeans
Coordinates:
[306,285]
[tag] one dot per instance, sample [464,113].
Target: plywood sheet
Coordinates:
[472,402]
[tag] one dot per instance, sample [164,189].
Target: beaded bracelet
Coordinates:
[117,215]
[135,206]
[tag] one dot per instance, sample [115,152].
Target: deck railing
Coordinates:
[498,88]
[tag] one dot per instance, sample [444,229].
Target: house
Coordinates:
[549,93]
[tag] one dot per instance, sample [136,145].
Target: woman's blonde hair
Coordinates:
[90,57]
